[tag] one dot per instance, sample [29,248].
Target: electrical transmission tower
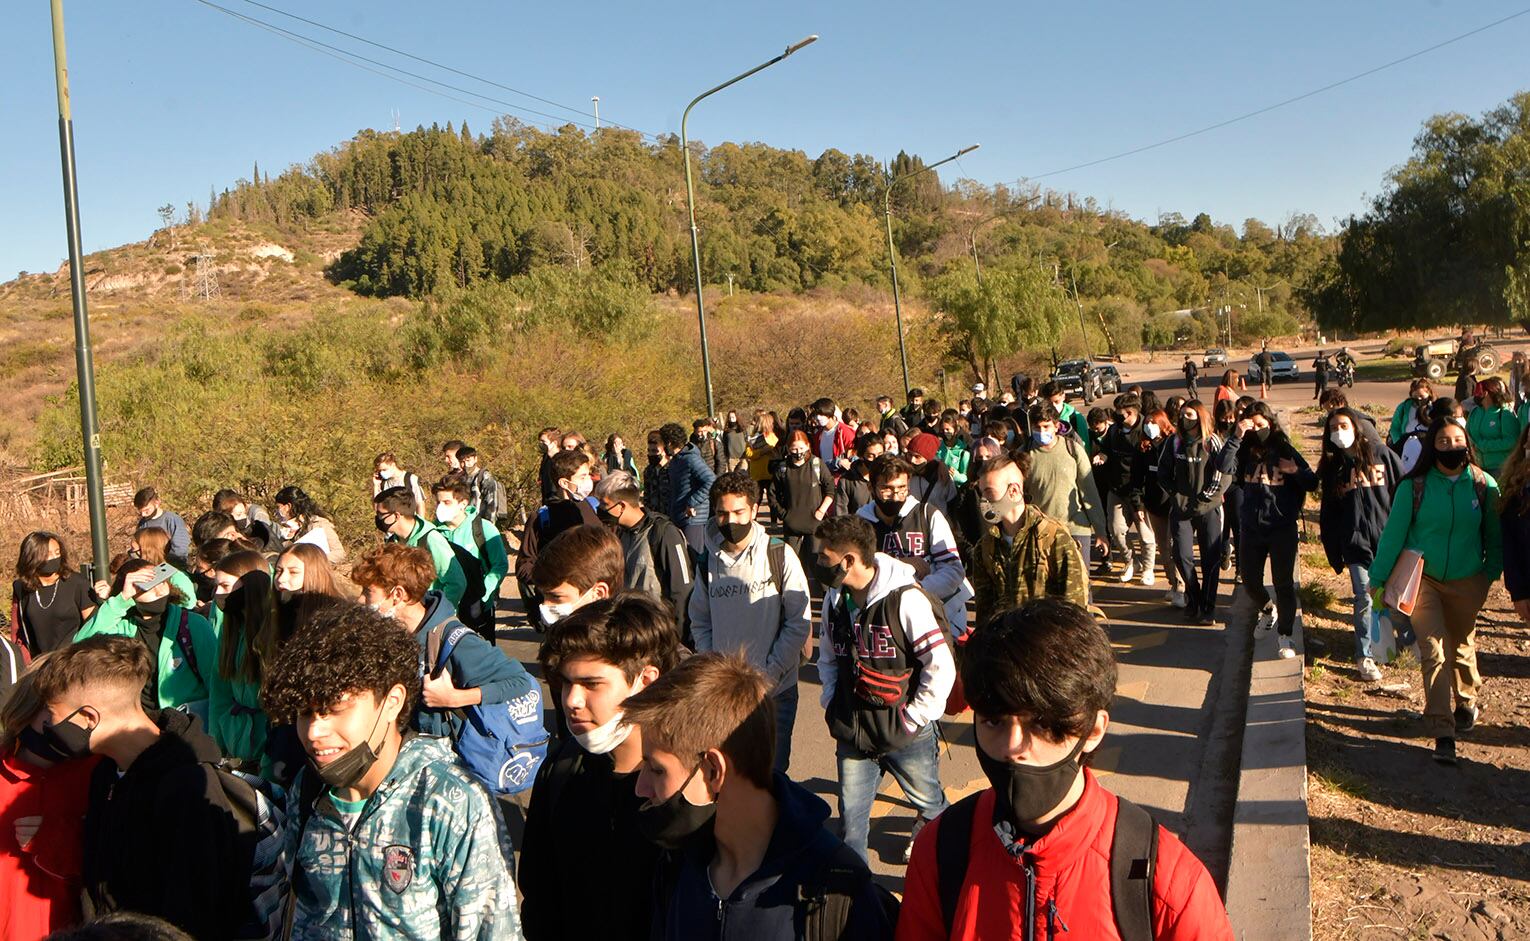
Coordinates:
[205,284]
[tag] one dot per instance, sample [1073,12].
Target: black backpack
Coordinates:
[1133,856]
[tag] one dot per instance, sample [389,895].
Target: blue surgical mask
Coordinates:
[1043,437]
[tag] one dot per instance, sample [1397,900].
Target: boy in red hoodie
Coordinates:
[1032,855]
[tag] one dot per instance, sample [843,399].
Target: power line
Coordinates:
[347,56]
[1281,104]
[432,62]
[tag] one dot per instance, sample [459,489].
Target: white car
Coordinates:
[1216,356]
[1282,366]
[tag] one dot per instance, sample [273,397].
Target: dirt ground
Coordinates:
[1403,847]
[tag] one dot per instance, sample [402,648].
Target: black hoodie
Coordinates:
[162,839]
[770,904]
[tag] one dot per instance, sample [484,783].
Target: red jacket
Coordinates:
[1072,865]
[844,445]
[40,885]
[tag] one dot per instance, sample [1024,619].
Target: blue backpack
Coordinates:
[503,743]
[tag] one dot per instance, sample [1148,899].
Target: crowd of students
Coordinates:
[219,736]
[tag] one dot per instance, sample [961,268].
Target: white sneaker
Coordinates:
[1266,620]
[1369,672]
[1130,572]
[908,851]
[1286,650]
[1148,578]
[1176,597]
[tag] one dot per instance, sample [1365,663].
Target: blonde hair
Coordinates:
[152,542]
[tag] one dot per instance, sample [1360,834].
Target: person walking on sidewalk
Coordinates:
[1357,480]
[1188,470]
[1447,511]
[1275,480]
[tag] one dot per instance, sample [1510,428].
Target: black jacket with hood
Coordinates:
[772,903]
[163,839]
[1356,503]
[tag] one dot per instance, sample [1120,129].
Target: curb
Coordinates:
[1269,879]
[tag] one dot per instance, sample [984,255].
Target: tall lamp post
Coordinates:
[892,255]
[690,199]
[85,369]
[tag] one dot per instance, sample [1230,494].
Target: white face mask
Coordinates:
[603,738]
[1344,438]
[585,488]
[385,474]
[385,612]
[553,613]
[445,514]
[1460,422]
[1152,430]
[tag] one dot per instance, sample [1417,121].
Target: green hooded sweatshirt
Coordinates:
[1457,536]
[494,558]
[450,581]
[182,680]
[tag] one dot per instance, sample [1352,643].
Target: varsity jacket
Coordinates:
[922,532]
[892,645]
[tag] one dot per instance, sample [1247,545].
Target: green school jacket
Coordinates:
[450,581]
[1450,531]
[495,559]
[182,679]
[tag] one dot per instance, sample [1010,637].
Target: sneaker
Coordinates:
[1176,597]
[1287,651]
[1466,718]
[1227,557]
[1130,572]
[1148,578]
[1207,619]
[908,851]
[1266,619]
[1369,672]
[1445,751]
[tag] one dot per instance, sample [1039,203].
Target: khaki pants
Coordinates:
[1445,621]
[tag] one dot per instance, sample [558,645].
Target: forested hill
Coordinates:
[449,208]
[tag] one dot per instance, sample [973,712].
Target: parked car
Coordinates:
[1070,375]
[1216,356]
[1109,379]
[1282,366]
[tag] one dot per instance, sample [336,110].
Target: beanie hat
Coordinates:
[925,445]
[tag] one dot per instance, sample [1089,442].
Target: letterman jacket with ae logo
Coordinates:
[891,669]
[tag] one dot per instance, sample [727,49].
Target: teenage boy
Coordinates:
[1060,483]
[1118,467]
[889,420]
[388,835]
[752,597]
[886,672]
[750,854]
[1074,420]
[396,520]
[918,534]
[833,440]
[853,490]
[582,565]
[1038,851]
[488,493]
[566,509]
[152,513]
[478,544]
[395,581]
[690,482]
[657,559]
[930,480]
[1022,553]
[547,445]
[161,837]
[584,796]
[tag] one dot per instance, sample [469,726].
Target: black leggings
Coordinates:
[1279,546]
[1205,530]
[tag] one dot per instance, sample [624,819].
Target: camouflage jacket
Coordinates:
[1042,560]
[428,857]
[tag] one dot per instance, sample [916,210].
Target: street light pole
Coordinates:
[892,255]
[690,201]
[972,235]
[90,431]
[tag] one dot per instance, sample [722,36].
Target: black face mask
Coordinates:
[1023,793]
[669,823]
[1451,460]
[352,766]
[653,457]
[205,584]
[891,509]
[797,459]
[605,515]
[40,745]
[68,739]
[153,609]
[832,576]
[931,470]
[1261,435]
[733,533]
[51,567]
[381,522]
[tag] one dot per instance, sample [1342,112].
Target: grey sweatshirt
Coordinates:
[735,607]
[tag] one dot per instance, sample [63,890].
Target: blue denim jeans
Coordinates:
[916,768]
[1360,581]
[786,718]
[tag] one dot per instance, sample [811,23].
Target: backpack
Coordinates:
[183,641]
[836,883]
[501,501]
[472,609]
[259,813]
[775,555]
[896,688]
[1133,857]
[502,744]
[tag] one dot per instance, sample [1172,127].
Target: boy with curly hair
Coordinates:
[390,837]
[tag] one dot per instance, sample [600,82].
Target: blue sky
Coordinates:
[172,98]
